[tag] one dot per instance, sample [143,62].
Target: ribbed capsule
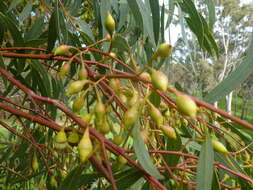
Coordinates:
[60,140]
[35,163]
[109,23]
[169,131]
[62,50]
[78,104]
[186,105]
[85,146]
[76,87]
[73,138]
[82,73]
[100,110]
[159,80]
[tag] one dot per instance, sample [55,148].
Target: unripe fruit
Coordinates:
[169,131]
[186,105]
[130,116]
[73,138]
[185,122]
[146,76]
[219,147]
[123,98]
[167,113]
[122,160]
[159,80]
[76,87]
[85,147]
[60,140]
[117,139]
[133,100]
[35,163]
[86,117]
[53,182]
[155,114]
[109,23]
[62,50]
[164,50]
[78,104]
[100,110]
[114,84]
[65,69]
[105,128]
[82,73]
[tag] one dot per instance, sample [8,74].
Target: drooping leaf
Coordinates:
[143,155]
[234,79]
[205,166]
[26,11]
[155,9]
[211,12]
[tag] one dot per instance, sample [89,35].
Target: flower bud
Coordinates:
[78,104]
[62,50]
[130,116]
[82,73]
[35,163]
[186,105]
[86,117]
[65,69]
[133,100]
[114,84]
[169,131]
[109,23]
[159,80]
[117,139]
[219,147]
[60,140]
[163,51]
[76,87]
[85,147]
[73,138]
[100,110]
[155,114]
[146,76]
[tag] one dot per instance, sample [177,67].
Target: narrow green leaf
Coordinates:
[126,178]
[52,31]
[37,29]
[143,155]
[234,79]
[171,13]
[215,183]
[76,179]
[205,166]
[211,12]
[162,22]
[26,11]
[13,4]
[120,43]
[136,12]
[172,145]
[155,99]
[84,27]
[155,10]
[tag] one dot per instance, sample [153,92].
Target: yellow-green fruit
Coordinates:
[114,84]
[186,105]
[60,140]
[76,87]
[167,113]
[123,98]
[130,116]
[86,117]
[65,69]
[109,23]
[159,80]
[185,122]
[155,115]
[102,125]
[146,76]
[62,50]
[117,139]
[219,147]
[133,100]
[35,163]
[85,147]
[100,110]
[164,50]
[122,160]
[82,73]
[53,182]
[78,104]
[169,131]
[73,138]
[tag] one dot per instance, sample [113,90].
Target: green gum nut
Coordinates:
[85,146]
[78,104]
[76,87]
[62,50]
[109,23]
[60,140]
[73,138]
[130,116]
[155,115]
[159,80]
[169,131]
[65,69]
[219,147]
[186,105]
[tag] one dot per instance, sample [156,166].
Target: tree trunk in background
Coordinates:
[229,98]
[244,106]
